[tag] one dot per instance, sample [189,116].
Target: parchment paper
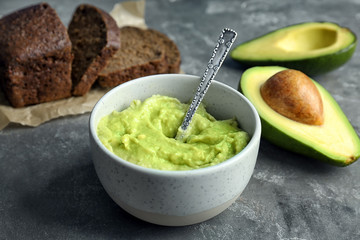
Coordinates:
[126,13]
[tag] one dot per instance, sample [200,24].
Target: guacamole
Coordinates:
[145,132]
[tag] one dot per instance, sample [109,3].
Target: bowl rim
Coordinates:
[255,138]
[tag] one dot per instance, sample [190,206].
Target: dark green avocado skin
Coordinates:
[311,66]
[281,139]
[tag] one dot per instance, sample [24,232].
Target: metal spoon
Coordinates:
[219,53]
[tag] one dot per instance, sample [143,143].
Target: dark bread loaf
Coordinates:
[95,38]
[35,56]
[142,53]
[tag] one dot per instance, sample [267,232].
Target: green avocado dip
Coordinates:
[145,132]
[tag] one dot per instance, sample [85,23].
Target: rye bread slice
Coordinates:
[142,53]
[139,55]
[95,39]
[35,56]
[172,53]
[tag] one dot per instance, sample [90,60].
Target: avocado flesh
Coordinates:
[335,141]
[312,47]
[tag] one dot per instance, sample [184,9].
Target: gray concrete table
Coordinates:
[49,189]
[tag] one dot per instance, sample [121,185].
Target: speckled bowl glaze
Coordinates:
[176,198]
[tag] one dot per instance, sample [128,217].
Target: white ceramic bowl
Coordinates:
[176,198]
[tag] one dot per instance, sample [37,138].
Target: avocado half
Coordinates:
[312,47]
[334,142]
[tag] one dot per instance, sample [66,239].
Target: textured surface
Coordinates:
[49,189]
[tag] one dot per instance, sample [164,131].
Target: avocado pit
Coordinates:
[292,94]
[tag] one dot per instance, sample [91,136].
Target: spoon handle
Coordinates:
[219,53]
